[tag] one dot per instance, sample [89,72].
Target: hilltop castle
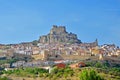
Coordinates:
[58,34]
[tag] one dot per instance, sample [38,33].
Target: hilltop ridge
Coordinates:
[59,34]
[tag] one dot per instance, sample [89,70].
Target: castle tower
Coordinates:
[96,42]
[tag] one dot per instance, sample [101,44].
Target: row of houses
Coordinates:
[38,63]
[83,49]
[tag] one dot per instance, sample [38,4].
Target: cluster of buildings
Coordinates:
[50,54]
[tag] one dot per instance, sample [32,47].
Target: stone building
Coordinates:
[58,34]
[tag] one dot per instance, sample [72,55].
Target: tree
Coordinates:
[98,65]
[90,75]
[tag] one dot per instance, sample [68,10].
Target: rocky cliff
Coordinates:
[59,34]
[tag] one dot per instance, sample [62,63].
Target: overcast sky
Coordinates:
[26,20]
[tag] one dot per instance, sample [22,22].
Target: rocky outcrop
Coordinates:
[58,34]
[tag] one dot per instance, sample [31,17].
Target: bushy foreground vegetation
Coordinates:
[56,73]
[93,71]
[61,73]
[26,72]
[90,74]
[4,78]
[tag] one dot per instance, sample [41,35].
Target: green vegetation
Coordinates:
[3,62]
[4,78]
[114,72]
[21,57]
[93,71]
[59,73]
[7,61]
[38,72]
[29,72]
[90,75]
[16,57]
[87,73]
[98,64]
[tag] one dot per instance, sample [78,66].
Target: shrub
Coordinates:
[90,75]
[98,65]
[4,78]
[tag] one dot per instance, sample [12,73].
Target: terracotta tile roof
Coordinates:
[61,65]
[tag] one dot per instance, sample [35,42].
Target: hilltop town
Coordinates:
[60,49]
[58,46]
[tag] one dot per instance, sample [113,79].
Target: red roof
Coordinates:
[77,65]
[81,64]
[61,65]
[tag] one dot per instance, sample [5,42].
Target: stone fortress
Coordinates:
[58,34]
